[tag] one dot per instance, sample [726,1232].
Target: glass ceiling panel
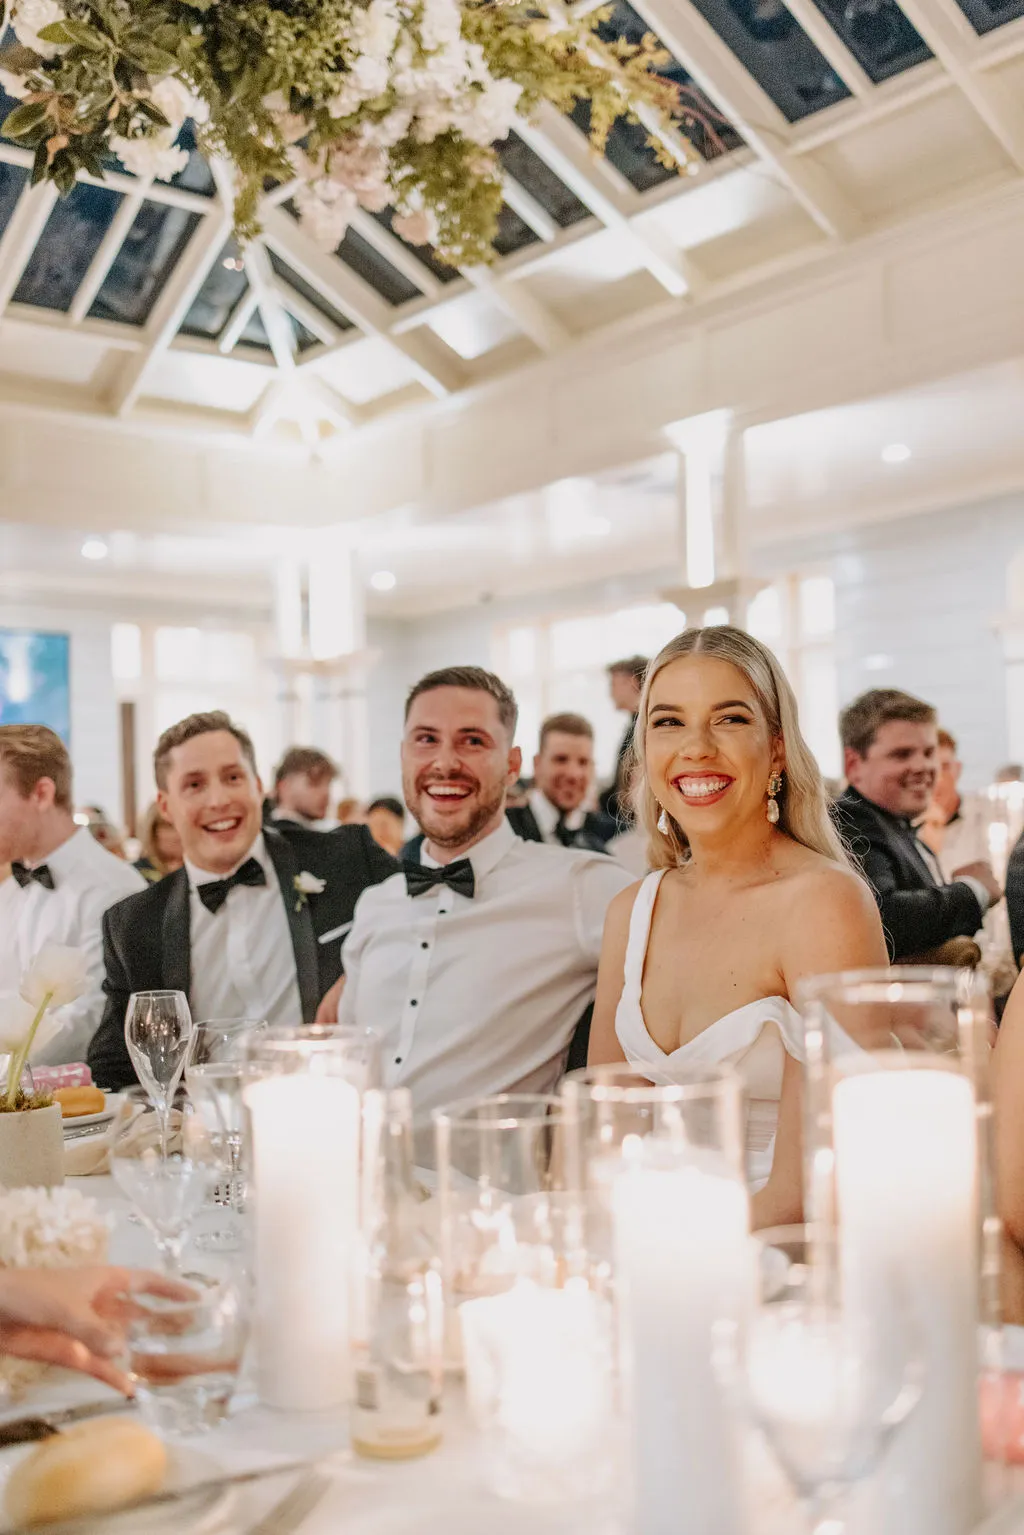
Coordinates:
[878,35]
[514,233]
[304,339]
[215,302]
[309,293]
[367,262]
[985,15]
[537,178]
[423,253]
[72,236]
[12,182]
[255,333]
[778,53]
[145,261]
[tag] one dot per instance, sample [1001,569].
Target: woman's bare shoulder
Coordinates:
[832,919]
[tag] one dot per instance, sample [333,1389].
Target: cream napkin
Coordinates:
[89,1155]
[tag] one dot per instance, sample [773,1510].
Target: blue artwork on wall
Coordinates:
[35,682]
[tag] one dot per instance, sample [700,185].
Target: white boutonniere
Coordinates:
[306,885]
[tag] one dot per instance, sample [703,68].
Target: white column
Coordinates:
[337,643]
[711,502]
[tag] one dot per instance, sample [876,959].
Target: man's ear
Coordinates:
[43,792]
[851,761]
[515,765]
[161,803]
[535,762]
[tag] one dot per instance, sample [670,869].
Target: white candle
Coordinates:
[683,1264]
[906,1181]
[538,1377]
[305,1164]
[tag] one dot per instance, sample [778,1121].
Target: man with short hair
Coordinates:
[625,683]
[251,926]
[475,964]
[563,771]
[61,883]
[302,788]
[890,745]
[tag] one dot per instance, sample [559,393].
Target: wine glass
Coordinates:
[213,1075]
[828,1384]
[164,1163]
[157,1029]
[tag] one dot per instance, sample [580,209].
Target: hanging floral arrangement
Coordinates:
[359,103]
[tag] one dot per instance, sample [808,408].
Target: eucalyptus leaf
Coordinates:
[24,120]
[84,36]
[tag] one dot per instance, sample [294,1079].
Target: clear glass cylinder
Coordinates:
[898,1170]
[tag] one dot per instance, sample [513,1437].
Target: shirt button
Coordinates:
[413,1002]
[424,944]
[398,1060]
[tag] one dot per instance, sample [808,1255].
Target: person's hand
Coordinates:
[945,800]
[327,1012]
[75,1317]
[982,872]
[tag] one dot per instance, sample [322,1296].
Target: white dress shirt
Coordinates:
[86,881]
[547,817]
[476,996]
[243,962]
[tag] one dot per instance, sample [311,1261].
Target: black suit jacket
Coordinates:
[147,946]
[593,836]
[1015,899]
[917,913]
[614,801]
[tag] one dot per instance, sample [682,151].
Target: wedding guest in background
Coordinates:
[954,827]
[890,746]
[302,788]
[563,775]
[625,682]
[476,962]
[62,879]
[101,827]
[1011,772]
[161,851]
[385,817]
[349,812]
[751,892]
[251,925]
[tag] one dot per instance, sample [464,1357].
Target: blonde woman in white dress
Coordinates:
[751,891]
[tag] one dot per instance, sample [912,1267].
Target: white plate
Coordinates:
[100,1117]
[185,1468]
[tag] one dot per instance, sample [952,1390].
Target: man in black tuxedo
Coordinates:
[563,771]
[252,925]
[1015,900]
[625,682]
[890,745]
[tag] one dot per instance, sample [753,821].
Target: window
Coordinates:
[126,652]
[796,618]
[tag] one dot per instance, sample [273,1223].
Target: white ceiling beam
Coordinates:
[831,45]
[751,111]
[278,327]
[237,321]
[308,315]
[172,306]
[106,255]
[515,301]
[954,43]
[21,236]
[1002,43]
[397,253]
[848,117]
[529,209]
[118,181]
[607,194]
[434,365]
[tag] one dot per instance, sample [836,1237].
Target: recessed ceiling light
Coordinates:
[383,581]
[94,549]
[895,453]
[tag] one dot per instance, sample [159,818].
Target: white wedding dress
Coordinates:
[754,1040]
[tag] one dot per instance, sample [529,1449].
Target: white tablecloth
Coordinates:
[441,1494]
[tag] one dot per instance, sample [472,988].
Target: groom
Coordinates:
[252,925]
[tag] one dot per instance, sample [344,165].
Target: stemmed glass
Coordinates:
[164,1163]
[213,1075]
[157,1029]
[829,1384]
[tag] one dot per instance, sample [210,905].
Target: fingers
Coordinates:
[44,1346]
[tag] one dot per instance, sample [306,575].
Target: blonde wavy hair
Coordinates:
[802,800]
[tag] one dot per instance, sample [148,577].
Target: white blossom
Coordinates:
[14,85]
[325,212]
[309,884]
[153,154]
[59,974]
[174,99]
[29,19]
[491,112]
[16,1017]
[375,30]
[440,24]
[418,227]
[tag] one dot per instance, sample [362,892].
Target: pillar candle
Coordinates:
[305,1171]
[682,1264]
[906,1184]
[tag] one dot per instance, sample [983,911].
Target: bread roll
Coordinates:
[91,1468]
[80,1100]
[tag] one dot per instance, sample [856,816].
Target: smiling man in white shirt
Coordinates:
[61,880]
[475,964]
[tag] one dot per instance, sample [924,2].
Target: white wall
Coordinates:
[95,735]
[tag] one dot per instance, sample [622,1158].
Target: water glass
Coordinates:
[213,1075]
[184,1354]
[164,1166]
[157,1029]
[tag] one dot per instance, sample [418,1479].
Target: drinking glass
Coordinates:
[157,1028]
[184,1353]
[164,1166]
[828,1383]
[213,1075]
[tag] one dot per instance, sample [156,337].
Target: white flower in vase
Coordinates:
[16,1019]
[58,975]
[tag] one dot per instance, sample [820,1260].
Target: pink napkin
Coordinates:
[47,1079]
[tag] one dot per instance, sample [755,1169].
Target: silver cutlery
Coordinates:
[84,1130]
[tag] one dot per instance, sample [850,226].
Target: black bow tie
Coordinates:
[215,892]
[459,876]
[566,837]
[42,875]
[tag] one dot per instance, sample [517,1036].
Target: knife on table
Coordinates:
[42,1425]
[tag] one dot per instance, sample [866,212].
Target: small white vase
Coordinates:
[32,1148]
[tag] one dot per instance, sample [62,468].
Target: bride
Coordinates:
[751,891]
